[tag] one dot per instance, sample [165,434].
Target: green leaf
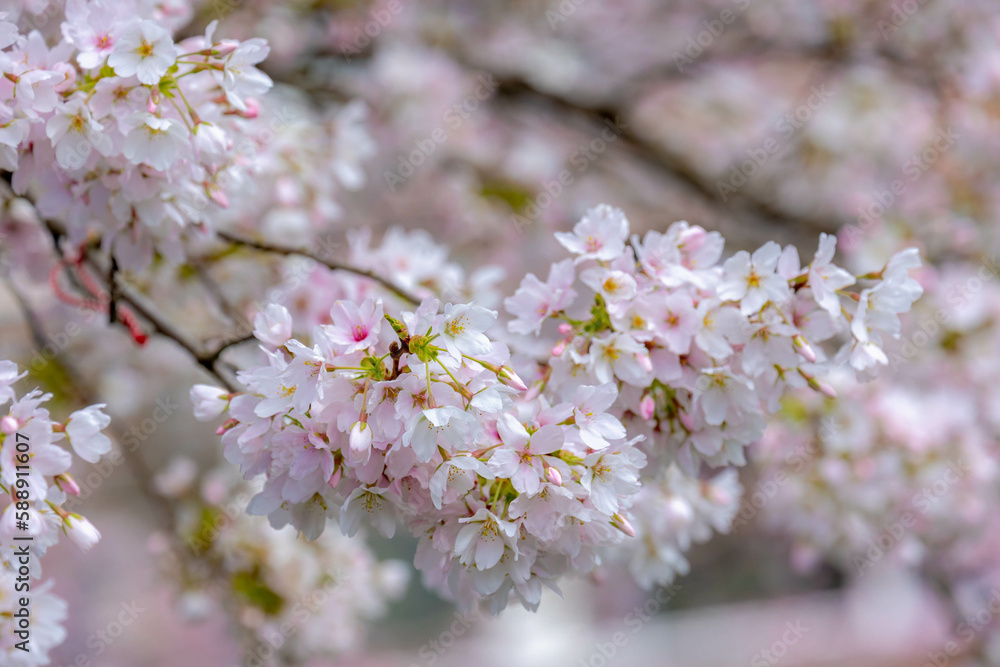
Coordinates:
[248,586]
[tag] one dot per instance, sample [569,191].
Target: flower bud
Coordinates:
[252,111]
[361,437]
[692,238]
[209,402]
[826,389]
[553,475]
[226,425]
[821,387]
[225,47]
[511,379]
[647,407]
[623,524]
[67,484]
[804,348]
[81,531]
[9,425]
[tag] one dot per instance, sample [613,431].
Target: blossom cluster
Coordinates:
[277,584]
[903,474]
[118,132]
[35,481]
[419,421]
[302,162]
[702,351]
[418,417]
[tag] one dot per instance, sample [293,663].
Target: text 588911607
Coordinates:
[22,547]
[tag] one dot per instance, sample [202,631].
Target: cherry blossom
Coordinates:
[33,462]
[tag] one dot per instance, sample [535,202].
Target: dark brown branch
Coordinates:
[113,292]
[516,89]
[76,386]
[163,327]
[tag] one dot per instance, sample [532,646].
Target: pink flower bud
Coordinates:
[804,348]
[559,349]
[225,47]
[647,407]
[335,477]
[253,108]
[820,386]
[511,379]
[565,328]
[66,482]
[218,196]
[623,524]
[361,437]
[553,475]
[646,363]
[692,238]
[9,425]
[225,426]
[826,389]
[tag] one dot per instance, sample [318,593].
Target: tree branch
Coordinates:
[334,266]
[162,326]
[514,88]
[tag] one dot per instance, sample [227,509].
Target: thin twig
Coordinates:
[113,292]
[654,154]
[165,328]
[137,465]
[162,326]
[334,266]
[215,291]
